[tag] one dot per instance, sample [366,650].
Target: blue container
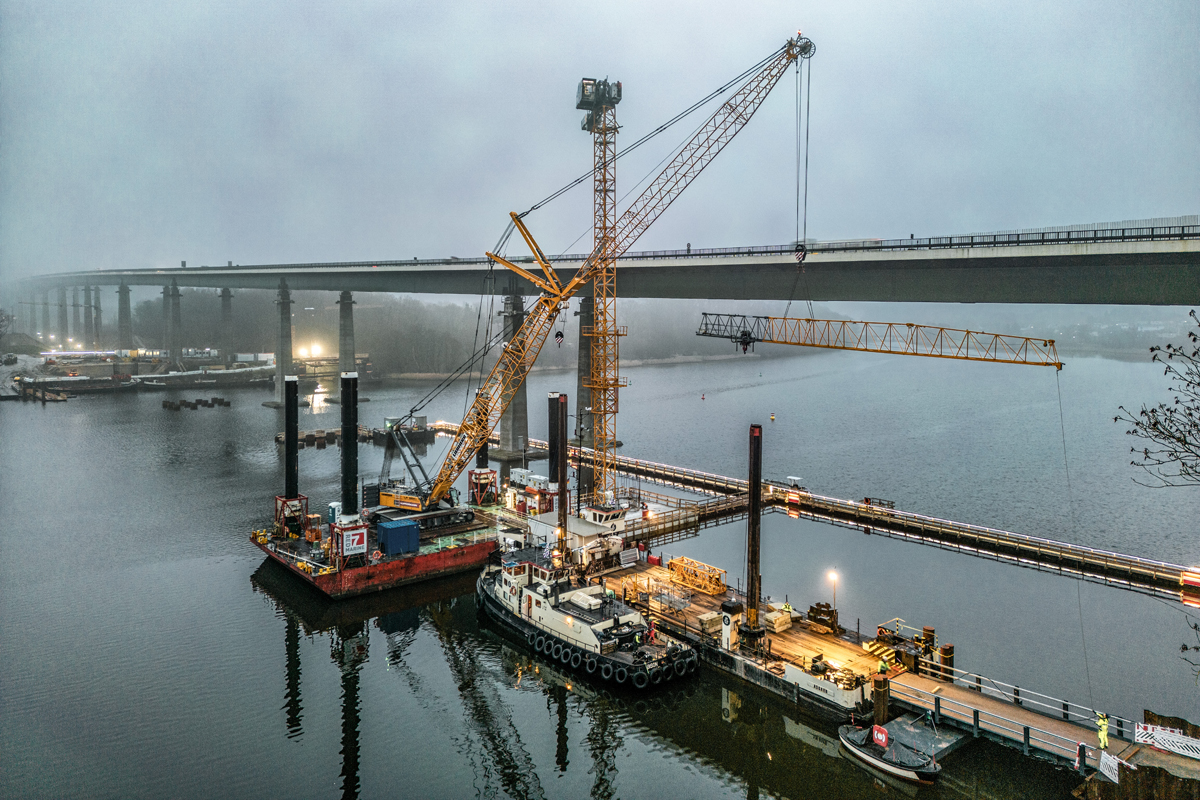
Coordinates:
[398,536]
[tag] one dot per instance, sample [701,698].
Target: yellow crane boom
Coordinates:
[905,339]
[518,355]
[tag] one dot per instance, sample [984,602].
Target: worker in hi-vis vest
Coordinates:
[883,667]
[1102,730]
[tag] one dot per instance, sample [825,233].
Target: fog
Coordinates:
[140,134]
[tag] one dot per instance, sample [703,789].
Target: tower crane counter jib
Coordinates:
[518,355]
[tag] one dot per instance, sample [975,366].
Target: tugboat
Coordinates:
[531,593]
[875,748]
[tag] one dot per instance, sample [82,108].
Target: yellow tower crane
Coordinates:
[905,339]
[518,355]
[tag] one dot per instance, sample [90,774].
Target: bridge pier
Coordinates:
[283,352]
[64,331]
[75,332]
[165,345]
[31,314]
[97,317]
[583,392]
[514,424]
[124,319]
[176,325]
[345,335]
[227,327]
[89,326]
[45,337]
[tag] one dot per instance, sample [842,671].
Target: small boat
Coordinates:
[875,748]
[150,385]
[209,382]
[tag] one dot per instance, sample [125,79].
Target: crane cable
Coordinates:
[802,210]
[703,101]
[1074,524]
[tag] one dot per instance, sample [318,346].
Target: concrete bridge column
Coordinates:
[583,394]
[64,332]
[76,333]
[124,319]
[31,314]
[283,353]
[514,425]
[346,360]
[46,318]
[227,327]
[97,317]
[89,326]
[166,326]
[176,325]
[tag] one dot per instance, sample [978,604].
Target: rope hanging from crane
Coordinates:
[802,209]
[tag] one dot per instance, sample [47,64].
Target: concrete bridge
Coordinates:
[1147,262]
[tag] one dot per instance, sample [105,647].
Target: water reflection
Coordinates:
[710,724]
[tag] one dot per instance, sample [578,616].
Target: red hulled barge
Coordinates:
[339,553]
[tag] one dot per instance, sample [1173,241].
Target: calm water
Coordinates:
[145,651]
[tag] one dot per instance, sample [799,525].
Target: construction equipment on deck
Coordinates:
[697,575]
[518,355]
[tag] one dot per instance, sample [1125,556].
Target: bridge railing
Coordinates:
[1132,234]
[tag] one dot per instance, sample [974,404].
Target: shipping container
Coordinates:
[398,536]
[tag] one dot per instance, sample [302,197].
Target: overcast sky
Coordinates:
[139,134]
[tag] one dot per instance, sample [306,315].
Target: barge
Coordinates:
[340,554]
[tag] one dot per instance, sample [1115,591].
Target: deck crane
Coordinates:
[518,355]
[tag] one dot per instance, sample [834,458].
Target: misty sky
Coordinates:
[139,134]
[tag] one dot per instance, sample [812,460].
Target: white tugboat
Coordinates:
[583,628]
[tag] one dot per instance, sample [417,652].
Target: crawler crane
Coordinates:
[518,355]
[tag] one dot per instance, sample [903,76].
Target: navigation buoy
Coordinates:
[701,396]
[772,418]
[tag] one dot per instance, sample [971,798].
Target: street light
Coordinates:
[833,578]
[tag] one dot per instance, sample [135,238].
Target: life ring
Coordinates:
[576,659]
[606,671]
[621,674]
[681,668]
[540,644]
[557,650]
[656,676]
[591,665]
[376,555]
[640,679]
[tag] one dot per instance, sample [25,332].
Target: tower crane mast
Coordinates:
[517,356]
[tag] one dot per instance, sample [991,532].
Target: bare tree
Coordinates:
[1171,431]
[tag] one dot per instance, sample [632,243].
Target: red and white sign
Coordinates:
[880,735]
[354,541]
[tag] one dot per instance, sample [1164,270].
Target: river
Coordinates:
[145,650]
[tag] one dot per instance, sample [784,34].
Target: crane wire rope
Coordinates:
[661,128]
[1071,506]
[802,210]
[502,242]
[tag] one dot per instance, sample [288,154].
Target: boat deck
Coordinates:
[798,644]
